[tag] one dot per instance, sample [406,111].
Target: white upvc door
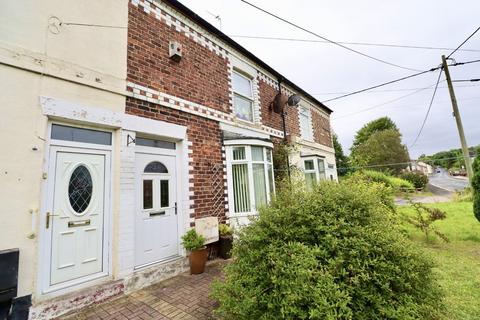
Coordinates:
[156,219]
[77,217]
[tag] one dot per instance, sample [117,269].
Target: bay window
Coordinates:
[314,170]
[250,177]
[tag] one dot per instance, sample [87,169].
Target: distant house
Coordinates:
[420,166]
[124,122]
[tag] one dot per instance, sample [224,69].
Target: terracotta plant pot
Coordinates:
[225,247]
[198,259]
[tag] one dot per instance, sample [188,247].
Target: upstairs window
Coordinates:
[242,96]
[305,123]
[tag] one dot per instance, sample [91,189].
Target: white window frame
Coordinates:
[316,168]
[306,133]
[229,147]
[244,75]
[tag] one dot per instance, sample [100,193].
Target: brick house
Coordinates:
[122,148]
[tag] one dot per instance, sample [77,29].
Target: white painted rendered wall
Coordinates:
[81,64]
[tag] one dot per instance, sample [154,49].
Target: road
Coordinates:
[444,181]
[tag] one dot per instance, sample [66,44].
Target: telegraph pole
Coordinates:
[458,119]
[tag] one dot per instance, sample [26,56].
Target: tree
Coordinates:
[383,151]
[476,187]
[370,128]
[341,159]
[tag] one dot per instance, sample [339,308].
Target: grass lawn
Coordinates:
[458,262]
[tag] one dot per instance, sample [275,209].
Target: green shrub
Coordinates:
[424,218]
[334,253]
[465,195]
[225,230]
[418,179]
[397,184]
[476,187]
[193,241]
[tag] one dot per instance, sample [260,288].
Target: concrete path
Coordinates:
[182,297]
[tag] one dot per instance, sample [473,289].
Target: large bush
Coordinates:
[397,184]
[418,179]
[476,187]
[334,253]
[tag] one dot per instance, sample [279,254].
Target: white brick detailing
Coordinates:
[126,227]
[257,113]
[140,92]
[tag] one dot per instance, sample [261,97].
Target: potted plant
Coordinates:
[226,240]
[195,243]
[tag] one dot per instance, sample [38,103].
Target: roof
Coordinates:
[199,20]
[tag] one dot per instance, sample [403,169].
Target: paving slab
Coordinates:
[182,297]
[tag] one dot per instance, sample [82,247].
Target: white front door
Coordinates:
[77,218]
[156,223]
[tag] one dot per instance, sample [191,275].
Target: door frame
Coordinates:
[178,188]
[53,146]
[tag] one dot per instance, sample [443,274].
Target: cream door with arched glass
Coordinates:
[156,222]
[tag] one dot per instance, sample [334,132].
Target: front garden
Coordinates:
[343,251]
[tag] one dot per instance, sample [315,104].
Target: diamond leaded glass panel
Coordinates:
[80,189]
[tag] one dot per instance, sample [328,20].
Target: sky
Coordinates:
[326,71]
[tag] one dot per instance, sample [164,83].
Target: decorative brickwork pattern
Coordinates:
[200,76]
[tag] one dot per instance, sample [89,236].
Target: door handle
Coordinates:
[157,213]
[47,222]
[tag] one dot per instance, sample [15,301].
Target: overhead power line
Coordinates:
[390,90]
[390,45]
[381,85]
[461,44]
[409,106]
[396,80]
[326,39]
[401,163]
[428,110]
[467,80]
[383,103]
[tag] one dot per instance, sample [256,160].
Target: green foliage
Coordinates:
[193,241]
[465,195]
[370,128]
[451,159]
[476,187]
[333,253]
[418,179]
[225,230]
[281,154]
[423,219]
[341,159]
[383,148]
[397,184]
[457,261]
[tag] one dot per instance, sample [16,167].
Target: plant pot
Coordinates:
[225,247]
[198,259]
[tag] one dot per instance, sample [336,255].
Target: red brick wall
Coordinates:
[206,139]
[321,130]
[269,118]
[293,126]
[201,76]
